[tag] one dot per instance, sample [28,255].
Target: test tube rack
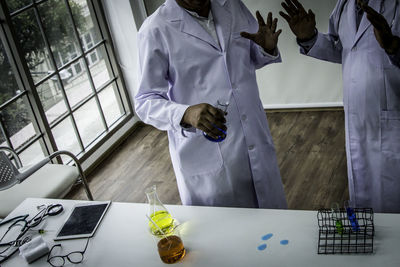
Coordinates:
[345,240]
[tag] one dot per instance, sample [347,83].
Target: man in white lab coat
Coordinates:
[192,55]
[364,38]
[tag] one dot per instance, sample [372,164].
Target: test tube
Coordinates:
[351,215]
[338,223]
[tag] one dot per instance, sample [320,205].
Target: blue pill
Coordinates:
[284,242]
[262,247]
[266,237]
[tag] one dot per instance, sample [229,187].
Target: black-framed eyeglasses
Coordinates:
[74,257]
[50,210]
[15,236]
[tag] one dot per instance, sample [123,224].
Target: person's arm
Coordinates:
[152,104]
[387,38]
[313,43]
[395,57]
[263,45]
[306,45]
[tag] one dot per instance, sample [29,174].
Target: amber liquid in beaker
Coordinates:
[171,249]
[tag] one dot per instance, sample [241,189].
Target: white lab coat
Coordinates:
[371,82]
[182,65]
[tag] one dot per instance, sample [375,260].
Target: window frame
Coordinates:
[27,86]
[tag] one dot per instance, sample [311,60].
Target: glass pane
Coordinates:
[14,5]
[89,122]
[17,121]
[65,137]
[87,29]
[32,44]
[77,87]
[8,85]
[50,95]
[78,68]
[59,31]
[93,58]
[99,67]
[111,104]
[32,154]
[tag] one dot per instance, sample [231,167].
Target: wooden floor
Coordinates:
[311,155]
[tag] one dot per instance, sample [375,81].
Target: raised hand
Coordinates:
[267,36]
[300,22]
[206,118]
[382,30]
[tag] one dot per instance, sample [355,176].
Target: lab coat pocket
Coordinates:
[197,155]
[390,159]
[390,133]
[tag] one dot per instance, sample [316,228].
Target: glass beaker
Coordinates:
[224,107]
[158,214]
[170,246]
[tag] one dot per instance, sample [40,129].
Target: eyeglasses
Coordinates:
[15,236]
[12,240]
[50,210]
[74,257]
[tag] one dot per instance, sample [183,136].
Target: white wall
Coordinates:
[299,81]
[124,34]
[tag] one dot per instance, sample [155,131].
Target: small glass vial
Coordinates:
[224,108]
[338,222]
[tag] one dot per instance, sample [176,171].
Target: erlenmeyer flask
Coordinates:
[158,214]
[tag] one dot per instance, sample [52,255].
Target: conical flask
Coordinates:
[158,214]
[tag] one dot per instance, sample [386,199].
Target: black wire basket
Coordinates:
[346,239]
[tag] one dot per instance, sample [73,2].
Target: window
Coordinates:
[61,88]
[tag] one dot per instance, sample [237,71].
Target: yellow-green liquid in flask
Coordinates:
[163,220]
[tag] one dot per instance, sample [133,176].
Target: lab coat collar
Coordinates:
[365,24]
[189,25]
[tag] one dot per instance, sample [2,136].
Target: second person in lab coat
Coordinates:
[365,40]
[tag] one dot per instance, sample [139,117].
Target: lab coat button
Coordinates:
[251,147]
[354,49]
[244,117]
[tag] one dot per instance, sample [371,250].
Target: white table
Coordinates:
[214,237]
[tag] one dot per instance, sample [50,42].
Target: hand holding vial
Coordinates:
[209,119]
[222,136]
